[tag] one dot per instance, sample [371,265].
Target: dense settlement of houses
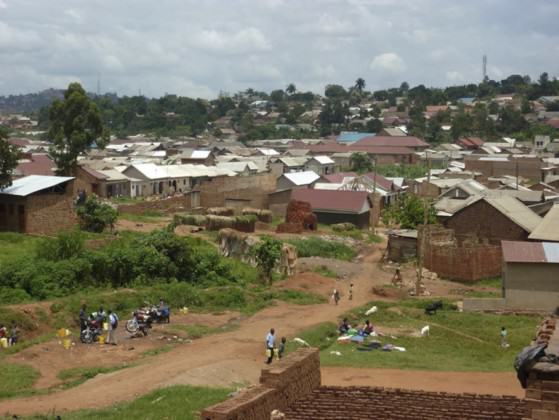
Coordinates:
[495,201]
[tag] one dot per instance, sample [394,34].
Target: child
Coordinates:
[351,291]
[281,348]
[504,343]
[336,296]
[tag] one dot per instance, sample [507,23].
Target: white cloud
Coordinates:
[244,41]
[455,76]
[3,4]
[388,62]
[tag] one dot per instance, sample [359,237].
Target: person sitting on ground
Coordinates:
[281,348]
[368,328]
[344,327]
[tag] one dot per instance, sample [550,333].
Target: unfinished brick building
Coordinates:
[38,205]
[293,386]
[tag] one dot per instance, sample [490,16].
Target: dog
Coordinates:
[432,308]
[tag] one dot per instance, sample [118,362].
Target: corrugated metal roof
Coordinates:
[302,178]
[530,252]
[352,136]
[516,211]
[200,154]
[324,160]
[335,201]
[548,229]
[34,183]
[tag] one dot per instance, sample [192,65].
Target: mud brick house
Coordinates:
[531,275]
[335,206]
[529,167]
[493,219]
[38,205]
[106,183]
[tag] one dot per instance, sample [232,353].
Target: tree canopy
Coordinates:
[9,155]
[75,124]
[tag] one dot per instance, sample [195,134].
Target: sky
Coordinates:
[199,48]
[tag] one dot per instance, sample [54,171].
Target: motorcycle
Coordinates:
[140,323]
[92,331]
[160,315]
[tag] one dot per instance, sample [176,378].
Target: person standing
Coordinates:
[336,296]
[113,324]
[83,319]
[270,342]
[504,342]
[281,348]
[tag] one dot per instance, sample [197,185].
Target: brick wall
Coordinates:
[255,189]
[452,258]
[484,221]
[364,403]
[47,214]
[175,204]
[280,385]
[530,168]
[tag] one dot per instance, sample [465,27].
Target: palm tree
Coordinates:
[360,84]
[291,89]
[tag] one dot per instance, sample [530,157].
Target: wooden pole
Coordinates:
[420,258]
[374,192]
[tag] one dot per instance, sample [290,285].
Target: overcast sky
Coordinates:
[201,47]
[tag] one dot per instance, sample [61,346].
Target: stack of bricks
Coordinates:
[298,217]
[363,403]
[281,384]
[542,390]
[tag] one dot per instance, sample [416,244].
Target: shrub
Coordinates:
[66,245]
[317,247]
[343,227]
[96,216]
[267,254]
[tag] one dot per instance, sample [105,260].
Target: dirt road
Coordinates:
[235,357]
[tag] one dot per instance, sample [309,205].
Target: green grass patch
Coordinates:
[317,247]
[176,402]
[158,350]
[16,379]
[14,246]
[298,297]
[198,331]
[482,294]
[457,342]
[148,216]
[321,336]
[495,282]
[325,271]
[76,376]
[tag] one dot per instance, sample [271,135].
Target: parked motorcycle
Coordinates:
[92,331]
[140,323]
[160,315]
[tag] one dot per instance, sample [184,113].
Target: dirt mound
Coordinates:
[309,282]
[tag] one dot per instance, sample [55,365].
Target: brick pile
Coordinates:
[363,403]
[298,217]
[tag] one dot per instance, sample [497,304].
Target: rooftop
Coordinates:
[530,252]
[34,183]
[548,229]
[329,200]
[302,178]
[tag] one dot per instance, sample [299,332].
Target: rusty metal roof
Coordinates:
[530,252]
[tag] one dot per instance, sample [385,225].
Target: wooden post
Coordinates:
[420,258]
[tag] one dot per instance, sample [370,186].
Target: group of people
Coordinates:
[336,294]
[106,321]
[365,330]
[8,338]
[271,346]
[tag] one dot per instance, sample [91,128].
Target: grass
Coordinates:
[482,294]
[76,376]
[16,379]
[317,247]
[321,336]
[198,331]
[14,246]
[325,271]
[148,216]
[158,350]
[457,342]
[176,402]
[495,282]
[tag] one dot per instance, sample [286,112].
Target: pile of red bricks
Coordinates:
[363,403]
[298,217]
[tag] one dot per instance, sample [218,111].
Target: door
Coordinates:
[21,217]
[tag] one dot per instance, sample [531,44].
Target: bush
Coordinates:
[96,216]
[343,227]
[316,247]
[66,245]
[267,254]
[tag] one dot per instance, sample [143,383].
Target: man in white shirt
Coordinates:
[270,342]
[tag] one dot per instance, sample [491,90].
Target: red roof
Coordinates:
[391,141]
[553,123]
[338,177]
[93,172]
[471,142]
[530,252]
[381,181]
[37,165]
[436,108]
[341,148]
[19,142]
[327,200]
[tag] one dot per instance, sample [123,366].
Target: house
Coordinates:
[392,132]
[333,207]
[243,168]
[35,164]
[530,275]
[409,142]
[492,219]
[37,204]
[322,165]
[470,143]
[293,180]
[293,164]
[540,143]
[548,229]
[200,157]
[154,179]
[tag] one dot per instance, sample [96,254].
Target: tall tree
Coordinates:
[360,162]
[291,89]
[75,125]
[360,84]
[9,155]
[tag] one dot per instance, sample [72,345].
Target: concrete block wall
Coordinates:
[280,385]
[255,189]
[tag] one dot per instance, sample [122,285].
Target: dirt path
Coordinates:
[225,359]
[497,383]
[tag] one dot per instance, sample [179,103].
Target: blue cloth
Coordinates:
[270,340]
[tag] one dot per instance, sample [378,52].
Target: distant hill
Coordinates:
[30,102]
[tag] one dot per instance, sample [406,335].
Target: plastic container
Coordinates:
[67,343]
[101,339]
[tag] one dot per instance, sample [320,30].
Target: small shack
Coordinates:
[402,245]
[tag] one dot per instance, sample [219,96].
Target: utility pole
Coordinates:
[420,258]
[516,166]
[374,192]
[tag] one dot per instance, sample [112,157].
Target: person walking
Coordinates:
[113,324]
[270,342]
[336,296]
[504,342]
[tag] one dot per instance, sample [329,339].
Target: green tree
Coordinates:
[96,216]
[9,155]
[291,89]
[408,213]
[267,254]
[75,125]
[335,92]
[360,162]
[374,125]
[360,84]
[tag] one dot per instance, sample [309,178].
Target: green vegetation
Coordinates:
[495,282]
[76,376]
[403,171]
[317,247]
[198,331]
[457,342]
[176,402]
[14,246]
[321,336]
[95,216]
[325,271]
[408,213]
[9,155]
[298,297]
[16,379]
[267,254]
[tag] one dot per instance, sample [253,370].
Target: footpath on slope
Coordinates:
[233,358]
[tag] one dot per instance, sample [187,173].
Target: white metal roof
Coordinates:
[151,170]
[323,160]
[200,154]
[302,178]
[34,183]
[268,152]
